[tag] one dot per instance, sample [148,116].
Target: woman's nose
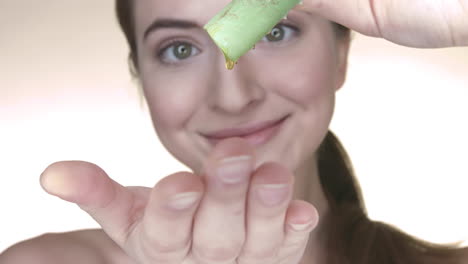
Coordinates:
[237,90]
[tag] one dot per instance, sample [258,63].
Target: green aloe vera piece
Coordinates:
[242,23]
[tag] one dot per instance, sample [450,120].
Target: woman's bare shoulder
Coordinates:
[83,246]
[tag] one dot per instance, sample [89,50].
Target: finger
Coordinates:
[269,195]
[301,219]
[219,228]
[359,15]
[113,206]
[166,230]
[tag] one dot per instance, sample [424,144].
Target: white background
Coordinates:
[65,93]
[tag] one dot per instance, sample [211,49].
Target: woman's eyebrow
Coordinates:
[169,23]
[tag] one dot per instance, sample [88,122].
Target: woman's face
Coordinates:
[279,97]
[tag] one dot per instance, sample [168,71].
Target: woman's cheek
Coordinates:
[172,101]
[307,72]
[307,81]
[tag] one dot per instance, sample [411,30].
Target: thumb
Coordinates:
[88,186]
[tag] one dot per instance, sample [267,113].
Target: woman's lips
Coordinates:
[255,134]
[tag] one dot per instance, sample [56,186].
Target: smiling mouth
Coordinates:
[256,134]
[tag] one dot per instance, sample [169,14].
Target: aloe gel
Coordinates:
[242,23]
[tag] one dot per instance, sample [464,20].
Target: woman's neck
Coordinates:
[307,187]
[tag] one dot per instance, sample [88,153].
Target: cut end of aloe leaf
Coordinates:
[242,23]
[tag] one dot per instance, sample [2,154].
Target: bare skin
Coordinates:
[127,215]
[97,246]
[419,24]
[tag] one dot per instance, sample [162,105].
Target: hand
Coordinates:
[188,219]
[414,23]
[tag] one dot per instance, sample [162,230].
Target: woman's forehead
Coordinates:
[199,11]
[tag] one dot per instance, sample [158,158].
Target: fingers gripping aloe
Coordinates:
[242,23]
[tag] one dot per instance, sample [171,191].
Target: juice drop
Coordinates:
[229,64]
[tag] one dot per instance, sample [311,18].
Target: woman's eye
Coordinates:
[280,32]
[178,51]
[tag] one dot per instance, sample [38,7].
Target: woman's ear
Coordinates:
[343,44]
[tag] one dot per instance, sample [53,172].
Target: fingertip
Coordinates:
[53,180]
[233,147]
[302,216]
[273,172]
[174,194]
[179,182]
[73,180]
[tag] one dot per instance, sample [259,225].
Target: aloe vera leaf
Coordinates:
[242,23]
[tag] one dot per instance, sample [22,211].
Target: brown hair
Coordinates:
[352,237]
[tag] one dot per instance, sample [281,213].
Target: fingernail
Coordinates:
[235,169]
[273,194]
[184,201]
[301,227]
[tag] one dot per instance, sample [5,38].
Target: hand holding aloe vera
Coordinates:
[421,23]
[242,23]
[416,23]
